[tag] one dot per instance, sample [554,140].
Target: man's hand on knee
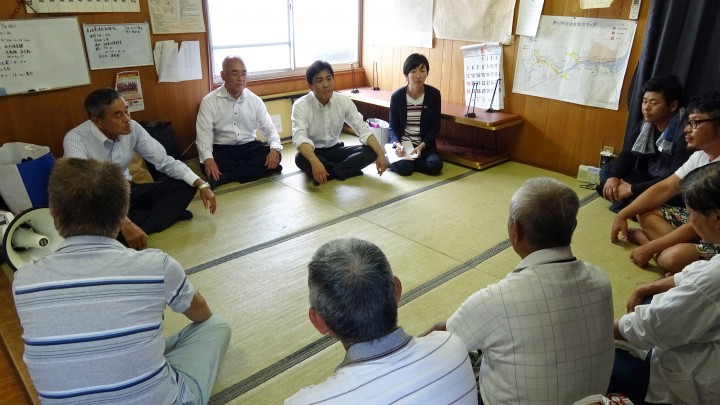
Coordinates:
[135,237]
[319,172]
[212,171]
[273,159]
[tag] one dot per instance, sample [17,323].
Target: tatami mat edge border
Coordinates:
[321,344]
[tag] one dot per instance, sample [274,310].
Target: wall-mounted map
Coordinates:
[578,60]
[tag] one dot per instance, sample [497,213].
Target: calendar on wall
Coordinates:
[83,6]
[484,75]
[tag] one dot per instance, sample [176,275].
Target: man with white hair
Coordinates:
[226,124]
[545,330]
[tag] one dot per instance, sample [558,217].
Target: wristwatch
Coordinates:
[204,186]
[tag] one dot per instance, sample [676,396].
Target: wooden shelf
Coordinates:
[467,154]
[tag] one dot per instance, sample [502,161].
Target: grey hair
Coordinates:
[546,211]
[227,60]
[88,197]
[97,102]
[352,287]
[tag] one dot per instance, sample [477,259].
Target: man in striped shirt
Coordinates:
[354,298]
[92,311]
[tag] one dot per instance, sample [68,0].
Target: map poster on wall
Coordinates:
[484,75]
[578,60]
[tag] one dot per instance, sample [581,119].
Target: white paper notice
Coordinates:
[166,55]
[529,17]
[188,62]
[586,4]
[175,65]
[474,20]
[399,22]
[176,16]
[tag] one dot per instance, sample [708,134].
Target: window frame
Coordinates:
[295,72]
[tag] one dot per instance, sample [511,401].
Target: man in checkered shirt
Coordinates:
[545,330]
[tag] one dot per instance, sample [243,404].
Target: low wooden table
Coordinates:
[466,153]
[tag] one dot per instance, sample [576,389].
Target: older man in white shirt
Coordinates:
[317,120]
[226,124]
[545,330]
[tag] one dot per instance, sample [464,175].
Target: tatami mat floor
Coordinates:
[445,236]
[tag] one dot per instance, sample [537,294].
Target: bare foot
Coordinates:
[637,236]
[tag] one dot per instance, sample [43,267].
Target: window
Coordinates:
[277,37]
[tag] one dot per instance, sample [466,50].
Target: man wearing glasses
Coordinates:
[226,124]
[664,230]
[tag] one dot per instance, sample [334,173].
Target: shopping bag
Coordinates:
[381,130]
[24,174]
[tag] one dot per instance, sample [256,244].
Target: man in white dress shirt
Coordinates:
[317,120]
[354,298]
[226,124]
[545,330]
[676,318]
[110,135]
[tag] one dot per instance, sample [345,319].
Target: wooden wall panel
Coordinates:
[551,127]
[556,135]
[44,118]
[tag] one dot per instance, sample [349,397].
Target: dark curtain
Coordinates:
[682,37]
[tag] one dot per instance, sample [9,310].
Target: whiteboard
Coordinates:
[41,54]
[118,45]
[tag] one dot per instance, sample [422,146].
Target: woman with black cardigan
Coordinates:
[415,117]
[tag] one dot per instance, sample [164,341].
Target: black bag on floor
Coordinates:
[163,133]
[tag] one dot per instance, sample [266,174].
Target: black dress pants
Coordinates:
[156,206]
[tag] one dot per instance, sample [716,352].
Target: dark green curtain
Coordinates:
[682,38]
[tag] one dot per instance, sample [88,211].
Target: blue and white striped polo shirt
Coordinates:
[92,318]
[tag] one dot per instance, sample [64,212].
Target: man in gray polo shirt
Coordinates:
[92,311]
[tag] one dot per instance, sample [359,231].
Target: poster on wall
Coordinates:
[128,85]
[484,76]
[176,16]
[399,22]
[577,60]
[474,20]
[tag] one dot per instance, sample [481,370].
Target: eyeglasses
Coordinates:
[694,123]
[236,74]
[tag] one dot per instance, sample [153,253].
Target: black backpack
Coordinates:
[163,133]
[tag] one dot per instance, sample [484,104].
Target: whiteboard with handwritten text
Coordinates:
[41,54]
[82,6]
[118,45]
